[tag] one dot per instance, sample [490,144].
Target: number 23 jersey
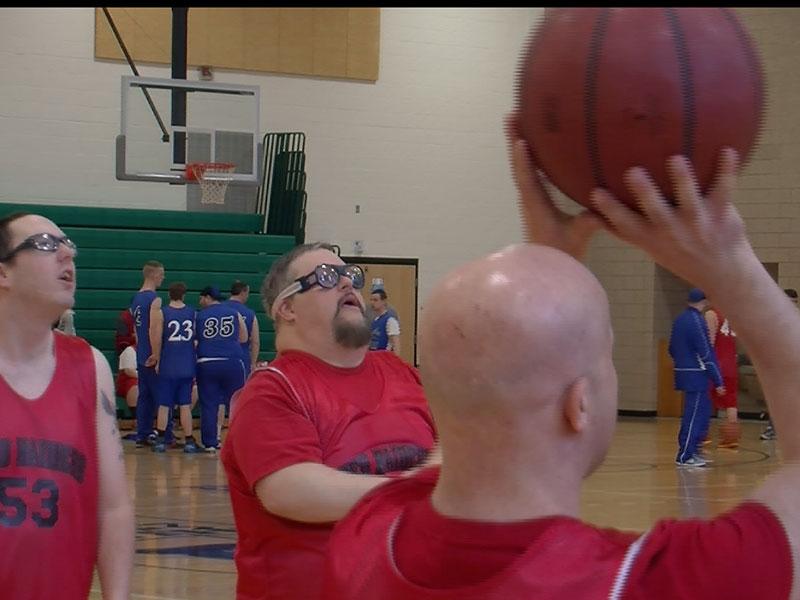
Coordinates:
[49,481]
[177,345]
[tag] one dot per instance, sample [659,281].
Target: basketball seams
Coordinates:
[604,89]
[687,82]
[590,96]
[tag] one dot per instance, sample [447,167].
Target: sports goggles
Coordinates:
[44,242]
[324,275]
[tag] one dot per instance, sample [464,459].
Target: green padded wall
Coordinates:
[199,249]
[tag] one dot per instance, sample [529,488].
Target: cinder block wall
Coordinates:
[421,150]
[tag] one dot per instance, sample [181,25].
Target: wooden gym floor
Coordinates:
[185,533]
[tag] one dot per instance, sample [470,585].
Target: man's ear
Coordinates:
[286,310]
[576,405]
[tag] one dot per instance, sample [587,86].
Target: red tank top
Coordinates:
[49,482]
[725,345]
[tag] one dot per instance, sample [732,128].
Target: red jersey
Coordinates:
[394,546]
[725,345]
[370,419]
[126,331]
[49,481]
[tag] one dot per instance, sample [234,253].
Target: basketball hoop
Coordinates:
[213,179]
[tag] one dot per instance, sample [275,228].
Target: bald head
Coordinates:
[511,331]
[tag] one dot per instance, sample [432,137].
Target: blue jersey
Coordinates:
[140,309]
[177,343]
[218,332]
[380,339]
[249,316]
[692,353]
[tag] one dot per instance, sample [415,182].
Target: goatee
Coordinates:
[351,334]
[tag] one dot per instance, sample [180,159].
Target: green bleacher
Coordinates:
[199,249]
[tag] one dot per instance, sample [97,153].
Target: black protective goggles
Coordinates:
[324,275]
[43,242]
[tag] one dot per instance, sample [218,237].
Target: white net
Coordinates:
[213,179]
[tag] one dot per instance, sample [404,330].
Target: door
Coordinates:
[400,283]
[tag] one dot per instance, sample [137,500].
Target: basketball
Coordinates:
[730,433]
[601,90]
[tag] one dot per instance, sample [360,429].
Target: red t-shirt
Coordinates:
[370,419]
[49,481]
[394,546]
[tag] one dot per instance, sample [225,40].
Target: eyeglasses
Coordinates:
[44,242]
[324,275]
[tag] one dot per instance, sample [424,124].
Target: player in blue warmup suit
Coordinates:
[695,364]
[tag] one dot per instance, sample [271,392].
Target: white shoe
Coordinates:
[693,461]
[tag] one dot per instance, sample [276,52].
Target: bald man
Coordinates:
[524,420]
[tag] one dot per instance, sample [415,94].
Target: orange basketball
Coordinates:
[730,433]
[601,90]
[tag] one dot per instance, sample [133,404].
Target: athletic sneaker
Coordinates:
[190,447]
[148,441]
[159,447]
[692,461]
[704,456]
[768,433]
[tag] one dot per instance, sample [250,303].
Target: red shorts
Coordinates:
[125,383]
[729,398]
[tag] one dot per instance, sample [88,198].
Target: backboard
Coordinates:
[167,123]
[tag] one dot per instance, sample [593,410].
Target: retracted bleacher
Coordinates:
[198,248]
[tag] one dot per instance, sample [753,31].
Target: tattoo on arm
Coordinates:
[109,410]
[107,406]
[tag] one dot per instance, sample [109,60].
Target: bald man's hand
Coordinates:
[543,222]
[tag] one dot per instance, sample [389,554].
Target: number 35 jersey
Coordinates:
[177,343]
[218,332]
[49,481]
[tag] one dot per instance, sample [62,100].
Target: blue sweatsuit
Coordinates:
[695,364]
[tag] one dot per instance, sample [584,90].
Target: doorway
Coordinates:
[399,277]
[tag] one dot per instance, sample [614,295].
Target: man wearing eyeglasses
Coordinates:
[322,425]
[64,504]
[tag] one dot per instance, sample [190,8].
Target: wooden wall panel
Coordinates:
[323,42]
[363,43]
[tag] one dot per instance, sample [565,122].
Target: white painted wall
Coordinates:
[421,150]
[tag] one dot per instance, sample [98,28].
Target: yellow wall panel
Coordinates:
[296,53]
[262,32]
[326,42]
[330,42]
[363,43]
